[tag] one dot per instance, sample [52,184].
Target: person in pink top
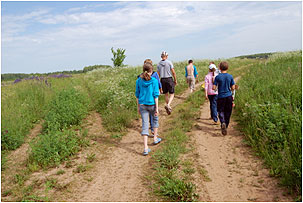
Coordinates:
[210,94]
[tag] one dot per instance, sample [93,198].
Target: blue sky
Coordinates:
[46,36]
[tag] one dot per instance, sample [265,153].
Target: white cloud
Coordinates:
[146,26]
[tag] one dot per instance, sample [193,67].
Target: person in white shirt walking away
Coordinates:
[167,72]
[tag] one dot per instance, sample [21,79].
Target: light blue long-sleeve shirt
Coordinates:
[147,91]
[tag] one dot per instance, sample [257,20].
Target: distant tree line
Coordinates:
[255,56]
[14,76]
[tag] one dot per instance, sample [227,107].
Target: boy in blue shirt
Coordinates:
[225,84]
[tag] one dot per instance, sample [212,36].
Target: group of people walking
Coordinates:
[218,91]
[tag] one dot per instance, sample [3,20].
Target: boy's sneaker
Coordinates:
[223,129]
[216,123]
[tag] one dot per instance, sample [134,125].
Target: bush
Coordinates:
[68,108]
[53,148]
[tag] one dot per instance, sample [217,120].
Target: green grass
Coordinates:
[171,182]
[66,109]
[51,149]
[269,107]
[22,105]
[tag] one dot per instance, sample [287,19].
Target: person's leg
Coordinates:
[220,109]
[156,126]
[213,107]
[171,97]
[215,112]
[145,138]
[191,85]
[151,122]
[167,98]
[171,90]
[194,83]
[145,117]
[228,109]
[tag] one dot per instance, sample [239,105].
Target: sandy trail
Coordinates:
[236,174]
[120,177]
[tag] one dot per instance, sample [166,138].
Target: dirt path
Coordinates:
[17,161]
[235,173]
[120,177]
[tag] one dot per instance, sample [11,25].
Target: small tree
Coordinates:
[118,57]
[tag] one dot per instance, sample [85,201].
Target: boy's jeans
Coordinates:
[213,106]
[145,111]
[224,107]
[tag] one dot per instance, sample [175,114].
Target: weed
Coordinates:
[177,190]
[19,179]
[51,183]
[7,193]
[82,168]
[91,157]
[203,172]
[68,164]
[53,148]
[60,172]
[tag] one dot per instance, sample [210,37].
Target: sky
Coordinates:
[48,36]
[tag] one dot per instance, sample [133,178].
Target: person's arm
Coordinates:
[159,83]
[174,75]
[206,87]
[157,107]
[138,106]
[196,74]
[137,93]
[215,84]
[232,84]
[185,71]
[156,94]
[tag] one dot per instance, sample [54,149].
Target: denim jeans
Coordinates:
[152,119]
[146,111]
[225,107]
[213,106]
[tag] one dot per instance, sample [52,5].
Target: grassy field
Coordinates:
[269,108]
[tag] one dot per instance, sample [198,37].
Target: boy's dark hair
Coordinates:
[190,61]
[211,62]
[223,65]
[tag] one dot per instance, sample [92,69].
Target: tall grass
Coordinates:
[22,105]
[269,107]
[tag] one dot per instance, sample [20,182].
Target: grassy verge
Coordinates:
[269,107]
[59,141]
[171,177]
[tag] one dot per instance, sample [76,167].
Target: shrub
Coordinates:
[53,148]
[68,108]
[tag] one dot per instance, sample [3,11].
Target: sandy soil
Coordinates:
[235,173]
[17,161]
[121,176]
